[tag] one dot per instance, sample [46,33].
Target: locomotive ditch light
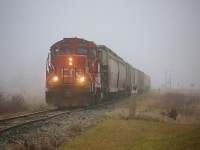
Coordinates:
[82,79]
[70,63]
[55,78]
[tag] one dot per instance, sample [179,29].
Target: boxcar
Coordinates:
[114,69]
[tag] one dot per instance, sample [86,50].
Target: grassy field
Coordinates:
[168,121]
[117,134]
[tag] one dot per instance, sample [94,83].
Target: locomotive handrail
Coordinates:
[48,65]
[92,62]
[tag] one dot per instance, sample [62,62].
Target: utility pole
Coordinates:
[170,78]
[165,78]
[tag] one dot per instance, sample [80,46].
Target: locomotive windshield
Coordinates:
[64,51]
[81,51]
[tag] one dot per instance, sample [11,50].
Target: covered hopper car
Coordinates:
[81,73]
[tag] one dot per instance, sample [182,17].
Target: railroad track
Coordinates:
[19,121]
[22,120]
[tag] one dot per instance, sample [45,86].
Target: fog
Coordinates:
[161,38]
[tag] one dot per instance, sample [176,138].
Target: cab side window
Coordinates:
[93,53]
[55,51]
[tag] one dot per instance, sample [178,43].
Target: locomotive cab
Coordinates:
[71,72]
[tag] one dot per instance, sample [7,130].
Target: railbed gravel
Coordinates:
[51,133]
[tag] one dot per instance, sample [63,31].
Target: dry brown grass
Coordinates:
[18,104]
[12,104]
[181,104]
[169,107]
[118,113]
[166,107]
[76,127]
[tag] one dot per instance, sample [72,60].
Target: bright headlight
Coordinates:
[82,79]
[55,78]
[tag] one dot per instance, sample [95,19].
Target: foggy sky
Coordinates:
[156,36]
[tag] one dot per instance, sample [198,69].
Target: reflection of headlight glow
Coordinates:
[82,79]
[55,78]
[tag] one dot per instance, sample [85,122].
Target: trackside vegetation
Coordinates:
[18,104]
[155,125]
[119,134]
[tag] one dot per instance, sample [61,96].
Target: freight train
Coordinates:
[82,73]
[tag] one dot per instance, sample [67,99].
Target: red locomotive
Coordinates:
[79,73]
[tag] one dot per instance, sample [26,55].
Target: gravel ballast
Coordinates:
[51,133]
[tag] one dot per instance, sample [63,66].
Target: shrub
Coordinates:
[17,104]
[178,103]
[12,104]
[173,114]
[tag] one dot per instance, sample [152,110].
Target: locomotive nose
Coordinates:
[72,69]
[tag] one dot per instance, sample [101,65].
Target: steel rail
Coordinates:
[26,115]
[51,116]
[38,120]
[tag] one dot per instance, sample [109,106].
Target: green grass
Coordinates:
[115,134]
